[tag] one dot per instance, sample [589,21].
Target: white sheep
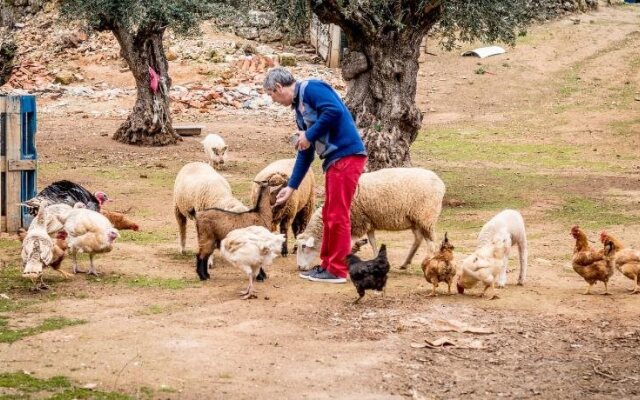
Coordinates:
[484,264]
[392,199]
[509,221]
[251,249]
[198,187]
[296,212]
[216,150]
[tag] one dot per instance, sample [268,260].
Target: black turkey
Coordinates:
[67,192]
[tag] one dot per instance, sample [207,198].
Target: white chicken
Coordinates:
[88,232]
[39,251]
[251,249]
[484,265]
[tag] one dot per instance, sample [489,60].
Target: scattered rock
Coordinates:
[288,60]
[65,77]
[171,54]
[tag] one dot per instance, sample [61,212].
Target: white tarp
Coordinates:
[485,52]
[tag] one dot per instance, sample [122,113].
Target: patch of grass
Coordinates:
[56,388]
[459,145]
[80,393]
[189,255]
[13,305]
[11,277]
[162,178]
[591,214]
[8,335]
[48,169]
[155,309]
[146,392]
[626,128]
[571,83]
[486,189]
[241,189]
[148,282]
[27,383]
[146,237]
[10,244]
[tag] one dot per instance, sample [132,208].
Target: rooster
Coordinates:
[66,192]
[88,232]
[371,274]
[589,264]
[39,251]
[441,267]
[624,260]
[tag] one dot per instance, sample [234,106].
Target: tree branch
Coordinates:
[429,14]
[329,11]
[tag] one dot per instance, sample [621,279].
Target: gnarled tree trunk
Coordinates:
[381,70]
[149,123]
[381,95]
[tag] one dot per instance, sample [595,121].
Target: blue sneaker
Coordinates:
[322,275]
[305,274]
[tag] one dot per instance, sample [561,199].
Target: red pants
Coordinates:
[341,181]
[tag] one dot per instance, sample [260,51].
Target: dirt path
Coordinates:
[153,331]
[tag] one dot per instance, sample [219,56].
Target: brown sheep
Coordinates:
[214,224]
[297,211]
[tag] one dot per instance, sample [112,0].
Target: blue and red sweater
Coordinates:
[328,125]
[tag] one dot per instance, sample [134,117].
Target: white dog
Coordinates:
[511,222]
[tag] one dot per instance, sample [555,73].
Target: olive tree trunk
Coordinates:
[149,123]
[381,95]
[381,70]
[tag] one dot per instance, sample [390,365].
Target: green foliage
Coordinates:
[141,15]
[485,20]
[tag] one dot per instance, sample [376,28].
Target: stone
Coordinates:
[171,54]
[269,35]
[65,77]
[249,32]
[288,59]
[261,19]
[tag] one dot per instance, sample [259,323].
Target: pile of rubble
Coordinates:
[58,61]
[29,75]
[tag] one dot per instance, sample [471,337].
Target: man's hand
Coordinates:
[302,143]
[284,195]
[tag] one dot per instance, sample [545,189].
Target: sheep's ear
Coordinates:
[224,148]
[310,242]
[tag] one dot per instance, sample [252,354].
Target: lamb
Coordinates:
[197,187]
[251,249]
[296,212]
[215,149]
[509,221]
[484,265]
[392,199]
[214,224]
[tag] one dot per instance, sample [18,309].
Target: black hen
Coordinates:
[371,274]
[67,192]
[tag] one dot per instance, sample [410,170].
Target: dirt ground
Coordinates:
[550,128]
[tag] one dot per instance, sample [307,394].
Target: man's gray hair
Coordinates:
[278,75]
